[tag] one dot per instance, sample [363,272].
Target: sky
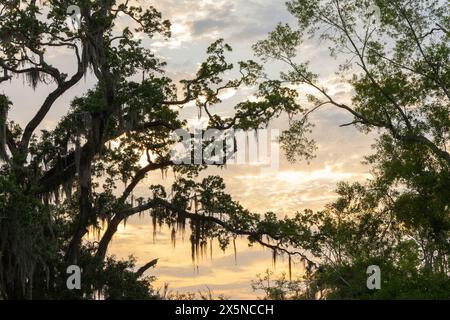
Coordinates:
[293,187]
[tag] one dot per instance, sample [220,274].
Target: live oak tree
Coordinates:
[58,184]
[397,64]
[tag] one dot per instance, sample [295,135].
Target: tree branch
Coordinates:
[145,267]
[45,108]
[158,202]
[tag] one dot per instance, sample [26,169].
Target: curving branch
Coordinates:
[140,272]
[161,203]
[120,216]
[45,108]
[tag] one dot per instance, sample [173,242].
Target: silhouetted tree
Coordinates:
[58,184]
[395,57]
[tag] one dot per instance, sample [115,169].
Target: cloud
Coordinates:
[207,26]
[234,20]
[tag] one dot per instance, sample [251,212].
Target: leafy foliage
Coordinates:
[80,176]
[398,68]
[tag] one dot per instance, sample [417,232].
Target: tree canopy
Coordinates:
[58,184]
[397,64]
